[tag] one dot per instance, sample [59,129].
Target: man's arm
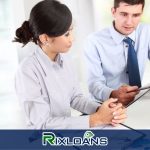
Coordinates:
[96,79]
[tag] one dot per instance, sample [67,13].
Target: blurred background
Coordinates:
[89,16]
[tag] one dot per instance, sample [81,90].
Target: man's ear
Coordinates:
[113,10]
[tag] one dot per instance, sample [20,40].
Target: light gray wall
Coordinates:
[83,25]
[28,4]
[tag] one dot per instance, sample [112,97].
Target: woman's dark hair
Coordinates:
[130,2]
[49,17]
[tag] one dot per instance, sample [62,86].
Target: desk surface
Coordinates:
[139,113]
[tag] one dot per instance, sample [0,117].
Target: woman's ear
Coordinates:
[46,40]
[43,39]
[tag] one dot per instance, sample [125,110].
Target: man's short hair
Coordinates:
[130,2]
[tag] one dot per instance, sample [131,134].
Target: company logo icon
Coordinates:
[88,134]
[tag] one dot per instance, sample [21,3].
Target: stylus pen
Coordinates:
[144,87]
[141,88]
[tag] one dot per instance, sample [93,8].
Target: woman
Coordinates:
[45,82]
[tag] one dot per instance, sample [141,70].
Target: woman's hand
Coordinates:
[106,113]
[119,115]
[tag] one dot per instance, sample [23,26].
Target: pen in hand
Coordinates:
[141,88]
[144,87]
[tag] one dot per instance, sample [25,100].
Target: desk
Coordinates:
[139,112]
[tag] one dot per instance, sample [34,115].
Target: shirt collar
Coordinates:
[118,37]
[45,59]
[132,36]
[59,60]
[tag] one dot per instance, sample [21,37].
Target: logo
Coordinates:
[89,139]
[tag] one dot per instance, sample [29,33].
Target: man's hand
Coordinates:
[125,94]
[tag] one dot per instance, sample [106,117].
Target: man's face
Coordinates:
[127,17]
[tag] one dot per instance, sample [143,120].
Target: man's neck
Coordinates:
[117,29]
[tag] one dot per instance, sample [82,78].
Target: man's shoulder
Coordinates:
[143,27]
[100,34]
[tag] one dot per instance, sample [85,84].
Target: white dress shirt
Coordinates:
[47,89]
[106,58]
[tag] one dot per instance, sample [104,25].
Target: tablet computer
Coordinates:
[139,96]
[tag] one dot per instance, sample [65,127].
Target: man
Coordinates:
[112,70]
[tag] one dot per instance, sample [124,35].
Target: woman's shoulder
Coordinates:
[27,63]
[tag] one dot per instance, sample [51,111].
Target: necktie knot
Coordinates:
[128,41]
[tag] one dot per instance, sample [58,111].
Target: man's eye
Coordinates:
[123,14]
[136,15]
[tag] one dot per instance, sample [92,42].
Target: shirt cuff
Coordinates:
[106,93]
[91,107]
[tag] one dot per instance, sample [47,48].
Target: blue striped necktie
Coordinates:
[132,64]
